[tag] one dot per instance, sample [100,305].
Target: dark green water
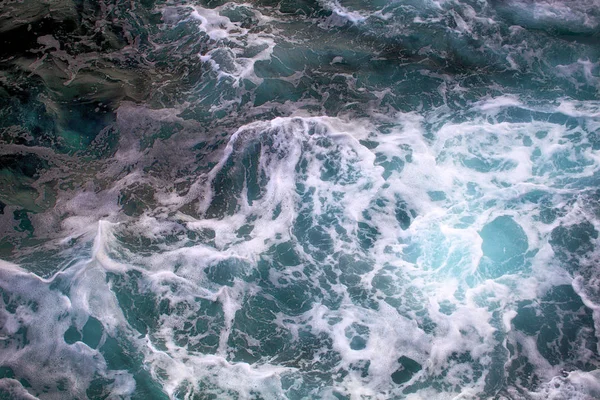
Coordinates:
[296,199]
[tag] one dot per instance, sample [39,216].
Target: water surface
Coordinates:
[298,199]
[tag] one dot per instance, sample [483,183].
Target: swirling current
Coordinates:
[299,199]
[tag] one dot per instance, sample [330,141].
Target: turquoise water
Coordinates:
[298,199]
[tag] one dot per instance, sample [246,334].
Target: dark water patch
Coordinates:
[255,334]
[120,356]
[226,272]
[573,243]
[408,367]
[139,303]
[563,328]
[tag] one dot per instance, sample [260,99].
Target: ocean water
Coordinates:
[300,199]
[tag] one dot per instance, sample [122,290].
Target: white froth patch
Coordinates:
[497,102]
[231,42]
[579,109]
[44,314]
[577,16]
[569,12]
[5,265]
[580,288]
[212,22]
[582,68]
[291,143]
[15,390]
[342,12]
[576,385]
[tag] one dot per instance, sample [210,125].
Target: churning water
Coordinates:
[300,199]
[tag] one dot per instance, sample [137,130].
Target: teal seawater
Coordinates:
[298,199]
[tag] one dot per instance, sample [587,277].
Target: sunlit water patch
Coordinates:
[300,199]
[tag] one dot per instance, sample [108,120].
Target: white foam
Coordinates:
[43,314]
[451,249]
[498,102]
[230,43]
[14,389]
[294,151]
[577,385]
[343,12]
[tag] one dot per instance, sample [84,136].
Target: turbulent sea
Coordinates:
[300,199]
